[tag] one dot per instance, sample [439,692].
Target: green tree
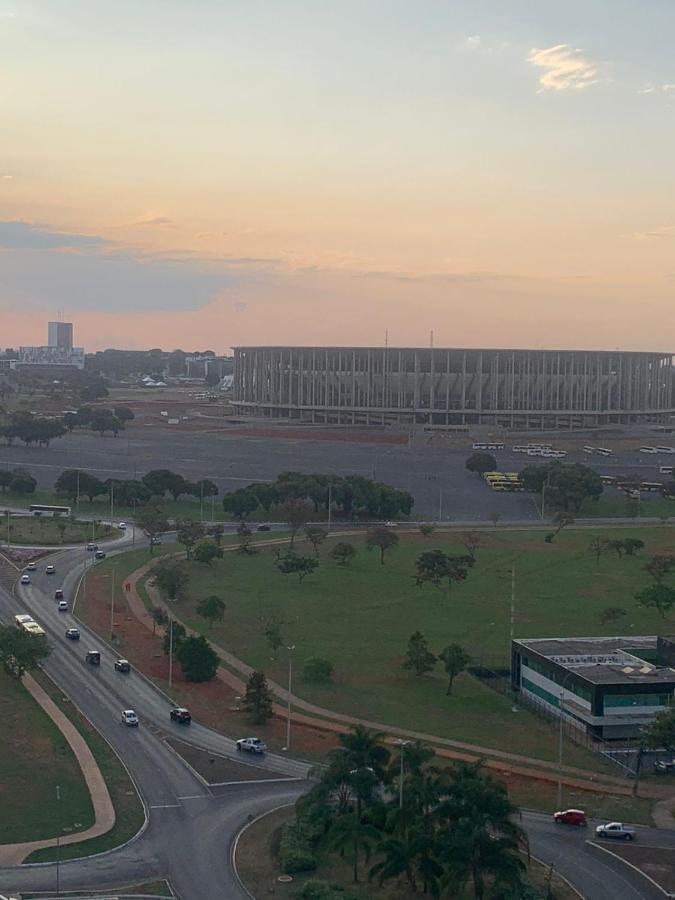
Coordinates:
[240,503]
[632,546]
[597,547]
[153,521]
[159,616]
[480,463]
[124,414]
[296,515]
[211,608]
[273,636]
[159,481]
[292,564]
[567,484]
[351,833]
[175,633]
[438,568]
[658,596]
[427,529]
[188,532]
[316,536]
[473,541]
[343,553]
[245,539]
[206,551]
[382,538]
[172,578]
[22,482]
[418,656]
[21,652]
[318,670]
[659,566]
[217,531]
[611,614]
[455,660]
[661,732]
[197,658]
[258,699]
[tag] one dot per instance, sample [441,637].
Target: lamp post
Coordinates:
[288,698]
[401,743]
[58,842]
[170,652]
[560,737]
[112,604]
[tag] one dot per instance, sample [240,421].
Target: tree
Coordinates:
[292,564]
[22,482]
[295,514]
[197,658]
[619,547]
[611,614]
[567,484]
[343,553]
[480,463]
[240,503]
[245,537]
[205,488]
[351,832]
[124,414]
[632,546]
[273,636]
[21,652]
[73,483]
[455,660]
[103,420]
[217,531]
[661,732]
[382,538]
[5,479]
[597,547]
[206,551]
[560,520]
[258,699]
[172,578]
[159,616]
[316,536]
[212,609]
[494,517]
[659,566]
[159,481]
[427,529]
[188,532]
[437,567]
[175,633]
[473,541]
[418,656]
[152,520]
[658,596]
[318,670]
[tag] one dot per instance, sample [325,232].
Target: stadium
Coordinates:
[453,388]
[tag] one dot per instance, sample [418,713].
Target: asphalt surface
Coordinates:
[435,476]
[191,827]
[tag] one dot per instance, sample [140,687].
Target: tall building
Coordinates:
[454,387]
[60,334]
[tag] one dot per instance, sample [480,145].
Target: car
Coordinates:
[50,570]
[58,594]
[391,524]
[100,554]
[25,579]
[615,831]
[122,665]
[263,528]
[63,606]
[570,817]
[31,567]
[73,634]
[129,717]
[664,767]
[93,657]
[122,526]
[251,745]
[91,546]
[181,715]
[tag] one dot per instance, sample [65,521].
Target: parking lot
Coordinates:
[435,475]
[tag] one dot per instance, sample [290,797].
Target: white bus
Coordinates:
[665,449]
[488,445]
[589,450]
[665,470]
[603,451]
[647,450]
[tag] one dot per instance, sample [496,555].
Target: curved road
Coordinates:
[191,827]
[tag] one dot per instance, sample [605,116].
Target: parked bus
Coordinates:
[589,450]
[651,486]
[43,509]
[665,470]
[608,479]
[665,449]
[488,445]
[647,450]
[603,451]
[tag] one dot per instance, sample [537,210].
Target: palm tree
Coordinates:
[364,749]
[351,832]
[410,854]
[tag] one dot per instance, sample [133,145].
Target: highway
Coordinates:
[190,827]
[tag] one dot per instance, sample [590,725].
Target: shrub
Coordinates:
[317,669]
[322,890]
[296,853]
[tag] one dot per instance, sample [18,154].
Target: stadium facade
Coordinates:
[444,388]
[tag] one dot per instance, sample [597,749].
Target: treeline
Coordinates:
[73,483]
[349,495]
[99,418]
[31,429]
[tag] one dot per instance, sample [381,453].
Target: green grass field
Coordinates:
[34,759]
[41,530]
[360,618]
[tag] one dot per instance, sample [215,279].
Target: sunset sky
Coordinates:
[211,173]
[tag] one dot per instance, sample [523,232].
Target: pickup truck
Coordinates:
[615,830]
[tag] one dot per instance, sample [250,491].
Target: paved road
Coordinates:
[191,827]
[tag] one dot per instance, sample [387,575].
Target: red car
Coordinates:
[570,817]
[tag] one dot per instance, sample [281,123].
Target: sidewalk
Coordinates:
[313,716]
[104,812]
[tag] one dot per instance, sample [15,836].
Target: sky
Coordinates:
[216,173]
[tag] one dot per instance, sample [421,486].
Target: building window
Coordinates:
[616,700]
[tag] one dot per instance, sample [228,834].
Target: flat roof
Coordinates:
[581,646]
[659,353]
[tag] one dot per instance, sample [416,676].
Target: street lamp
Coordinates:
[560,737]
[288,698]
[401,743]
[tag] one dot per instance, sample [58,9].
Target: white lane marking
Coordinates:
[196,797]
[166,806]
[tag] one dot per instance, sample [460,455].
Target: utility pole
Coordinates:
[112,505]
[288,707]
[8,529]
[58,842]
[330,503]
[512,623]
[402,745]
[201,500]
[170,653]
[440,505]
[112,603]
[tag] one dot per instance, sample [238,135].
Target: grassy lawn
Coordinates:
[34,759]
[128,807]
[47,530]
[360,618]
[613,503]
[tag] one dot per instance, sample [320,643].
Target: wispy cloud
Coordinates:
[663,231]
[651,88]
[156,221]
[475,42]
[565,68]
[26,236]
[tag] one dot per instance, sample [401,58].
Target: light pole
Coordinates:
[112,603]
[288,706]
[402,744]
[112,502]
[58,842]
[560,737]
[170,652]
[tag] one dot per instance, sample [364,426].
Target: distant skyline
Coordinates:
[213,174]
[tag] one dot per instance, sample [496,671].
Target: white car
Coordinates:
[63,606]
[31,567]
[50,570]
[129,717]
[25,579]
[251,745]
[122,526]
